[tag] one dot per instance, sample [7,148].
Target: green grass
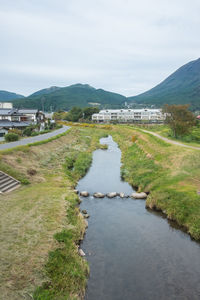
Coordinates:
[67,272]
[4,167]
[46,208]
[46,216]
[191,139]
[171,175]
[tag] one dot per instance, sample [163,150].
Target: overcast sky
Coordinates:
[126,46]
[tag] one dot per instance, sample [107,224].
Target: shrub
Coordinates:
[11,137]
[27,131]
[16,131]
[34,133]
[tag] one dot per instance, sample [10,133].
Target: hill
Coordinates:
[7,96]
[182,87]
[45,91]
[81,95]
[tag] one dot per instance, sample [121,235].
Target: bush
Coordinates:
[34,133]
[11,137]
[15,130]
[27,131]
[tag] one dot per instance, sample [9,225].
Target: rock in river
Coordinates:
[81,253]
[84,194]
[139,195]
[99,195]
[86,216]
[111,195]
[122,195]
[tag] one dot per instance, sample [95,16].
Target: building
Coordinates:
[8,105]
[129,115]
[19,118]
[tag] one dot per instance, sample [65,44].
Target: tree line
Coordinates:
[76,114]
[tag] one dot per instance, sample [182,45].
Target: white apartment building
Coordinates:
[7,105]
[129,115]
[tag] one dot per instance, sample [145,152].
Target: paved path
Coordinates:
[34,139]
[171,141]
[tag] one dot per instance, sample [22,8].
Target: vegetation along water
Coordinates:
[42,225]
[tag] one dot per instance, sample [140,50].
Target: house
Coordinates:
[129,115]
[3,131]
[19,118]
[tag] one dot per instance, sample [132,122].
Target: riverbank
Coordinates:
[168,172]
[41,222]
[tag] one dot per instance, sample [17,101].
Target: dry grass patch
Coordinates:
[29,219]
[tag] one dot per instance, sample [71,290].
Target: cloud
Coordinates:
[125,46]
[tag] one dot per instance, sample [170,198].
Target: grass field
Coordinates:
[34,213]
[41,224]
[191,139]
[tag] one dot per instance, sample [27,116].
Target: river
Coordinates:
[133,253]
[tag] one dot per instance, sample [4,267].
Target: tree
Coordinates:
[179,119]
[89,111]
[59,115]
[74,114]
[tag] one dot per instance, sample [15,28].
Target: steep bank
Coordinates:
[170,173]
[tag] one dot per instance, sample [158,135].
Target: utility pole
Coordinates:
[42,101]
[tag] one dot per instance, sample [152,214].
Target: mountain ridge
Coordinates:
[7,96]
[74,95]
[181,87]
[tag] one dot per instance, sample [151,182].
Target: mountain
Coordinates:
[65,98]
[7,96]
[46,91]
[182,87]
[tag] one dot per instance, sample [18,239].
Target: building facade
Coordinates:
[8,105]
[19,118]
[129,115]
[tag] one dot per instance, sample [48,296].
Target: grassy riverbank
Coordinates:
[170,173]
[41,223]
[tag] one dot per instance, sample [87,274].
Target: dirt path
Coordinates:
[170,141]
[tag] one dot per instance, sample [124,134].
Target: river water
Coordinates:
[133,253]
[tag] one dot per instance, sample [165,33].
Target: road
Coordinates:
[170,141]
[34,139]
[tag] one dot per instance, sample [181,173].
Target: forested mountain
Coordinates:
[46,91]
[7,96]
[182,87]
[65,98]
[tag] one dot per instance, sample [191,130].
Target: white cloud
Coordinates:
[124,46]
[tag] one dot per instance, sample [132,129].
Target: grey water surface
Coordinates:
[133,253]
